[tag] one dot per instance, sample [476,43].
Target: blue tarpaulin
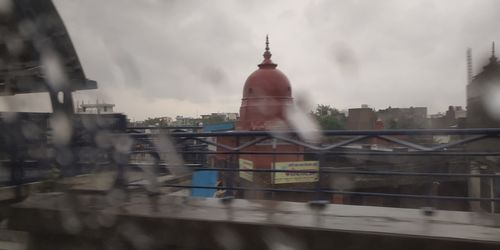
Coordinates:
[226,126]
[204,178]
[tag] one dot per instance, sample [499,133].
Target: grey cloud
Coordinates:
[412,53]
[344,57]
[163,49]
[403,53]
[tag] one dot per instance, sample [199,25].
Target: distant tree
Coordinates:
[408,123]
[393,124]
[329,118]
[156,121]
[212,120]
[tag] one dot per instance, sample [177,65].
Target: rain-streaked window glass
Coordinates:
[195,124]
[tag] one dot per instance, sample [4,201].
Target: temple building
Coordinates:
[267,95]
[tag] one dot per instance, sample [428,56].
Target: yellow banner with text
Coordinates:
[296,177]
[246,164]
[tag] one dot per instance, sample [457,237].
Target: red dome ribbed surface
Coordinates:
[267,82]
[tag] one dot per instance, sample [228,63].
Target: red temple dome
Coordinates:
[266,94]
[267,81]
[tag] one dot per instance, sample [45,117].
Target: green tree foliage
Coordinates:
[408,123]
[213,120]
[329,118]
[157,121]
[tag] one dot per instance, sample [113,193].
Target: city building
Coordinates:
[403,118]
[186,121]
[453,118]
[366,118]
[363,118]
[218,118]
[165,120]
[95,108]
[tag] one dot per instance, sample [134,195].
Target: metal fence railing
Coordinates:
[386,155]
[466,148]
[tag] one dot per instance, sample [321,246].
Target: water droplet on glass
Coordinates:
[123,143]
[227,239]
[302,122]
[106,219]
[31,131]
[15,44]
[277,240]
[61,128]
[299,117]
[71,223]
[169,155]
[492,100]
[5,6]
[64,156]
[342,183]
[60,97]
[116,197]
[104,139]
[26,28]
[53,70]
[136,236]
[10,117]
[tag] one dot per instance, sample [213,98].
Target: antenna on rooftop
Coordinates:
[469,65]
[493,49]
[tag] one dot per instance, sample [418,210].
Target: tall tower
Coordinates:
[479,113]
[469,66]
[483,112]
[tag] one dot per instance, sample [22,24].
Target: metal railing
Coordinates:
[467,146]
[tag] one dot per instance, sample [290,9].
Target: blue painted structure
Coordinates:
[218,127]
[204,178]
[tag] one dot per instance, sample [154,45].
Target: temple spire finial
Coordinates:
[267,53]
[267,42]
[267,63]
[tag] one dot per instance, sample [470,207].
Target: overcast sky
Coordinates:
[165,58]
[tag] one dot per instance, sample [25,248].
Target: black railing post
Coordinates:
[319,196]
[229,194]
[156,173]
[120,160]
[16,149]
[273,174]
[433,191]
[16,173]
[492,194]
